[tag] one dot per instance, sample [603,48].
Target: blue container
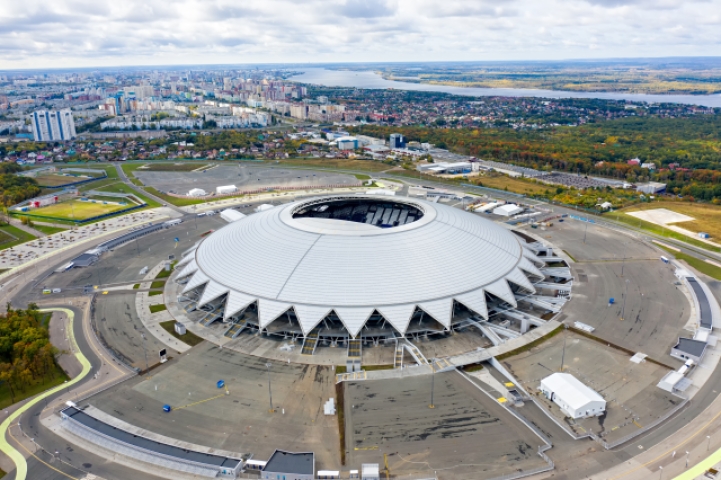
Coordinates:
[221,383]
[167,408]
[611,301]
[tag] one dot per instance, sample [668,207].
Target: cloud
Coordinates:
[38,34]
[366,8]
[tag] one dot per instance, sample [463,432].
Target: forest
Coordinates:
[13,188]
[27,358]
[691,144]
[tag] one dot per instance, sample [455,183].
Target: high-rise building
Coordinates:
[53,125]
[397,141]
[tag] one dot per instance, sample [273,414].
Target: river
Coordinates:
[368,79]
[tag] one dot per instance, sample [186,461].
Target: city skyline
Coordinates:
[70,34]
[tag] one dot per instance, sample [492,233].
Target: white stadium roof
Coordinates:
[319,265]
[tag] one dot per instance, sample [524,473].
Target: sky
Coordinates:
[73,33]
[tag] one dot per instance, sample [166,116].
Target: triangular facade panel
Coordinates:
[519,278]
[476,301]
[309,316]
[441,310]
[398,315]
[198,279]
[354,318]
[501,290]
[212,291]
[236,302]
[269,310]
[188,269]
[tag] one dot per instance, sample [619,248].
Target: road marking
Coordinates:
[38,458]
[21,465]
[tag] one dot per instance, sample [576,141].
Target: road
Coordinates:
[51,457]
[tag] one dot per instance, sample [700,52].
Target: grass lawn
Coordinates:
[515,185]
[178,202]
[190,338]
[702,266]
[362,177]
[659,230]
[120,187]
[57,180]
[78,210]
[47,229]
[136,286]
[707,217]
[368,368]
[30,390]
[11,236]
[158,308]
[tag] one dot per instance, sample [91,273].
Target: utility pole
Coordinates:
[585,232]
[270,393]
[563,353]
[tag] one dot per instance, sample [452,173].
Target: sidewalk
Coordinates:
[152,320]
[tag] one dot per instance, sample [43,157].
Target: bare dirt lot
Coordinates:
[466,436]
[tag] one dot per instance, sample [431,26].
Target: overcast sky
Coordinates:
[69,33]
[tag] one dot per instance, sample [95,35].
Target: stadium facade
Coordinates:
[358,266]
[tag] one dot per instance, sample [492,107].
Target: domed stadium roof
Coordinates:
[356,254]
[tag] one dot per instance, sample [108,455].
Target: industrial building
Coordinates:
[289,466]
[575,399]
[311,278]
[446,168]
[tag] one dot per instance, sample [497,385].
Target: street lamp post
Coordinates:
[433,388]
[623,262]
[687,459]
[625,294]
[145,353]
[708,442]
[270,392]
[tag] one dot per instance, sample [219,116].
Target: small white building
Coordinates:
[575,399]
[230,215]
[225,189]
[508,210]
[197,192]
[263,208]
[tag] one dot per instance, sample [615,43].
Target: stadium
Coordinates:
[372,268]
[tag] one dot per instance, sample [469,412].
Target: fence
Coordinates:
[262,190]
[84,220]
[74,184]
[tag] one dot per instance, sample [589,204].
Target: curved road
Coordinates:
[50,457]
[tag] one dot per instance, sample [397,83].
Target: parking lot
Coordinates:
[242,176]
[656,309]
[240,421]
[466,436]
[633,400]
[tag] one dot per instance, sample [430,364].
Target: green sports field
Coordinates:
[78,210]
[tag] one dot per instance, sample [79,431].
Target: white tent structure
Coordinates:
[197,192]
[230,215]
[575,399]
[313,261]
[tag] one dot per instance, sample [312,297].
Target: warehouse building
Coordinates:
[575,399]
[289,466]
